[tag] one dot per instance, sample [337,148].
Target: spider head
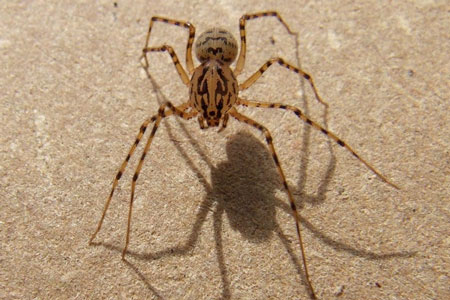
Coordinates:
[218,44]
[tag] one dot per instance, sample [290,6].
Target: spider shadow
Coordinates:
[305,153]
[323,186]
[242,188]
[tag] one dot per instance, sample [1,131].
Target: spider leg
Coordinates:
[123,166]
[247,83]
[189,61]
[224,122]
[175,60]
[120,172]
[234,113]
[241,60]
[162,113]
[317,126]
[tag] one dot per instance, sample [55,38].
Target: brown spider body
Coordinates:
[213,86]
[214,96]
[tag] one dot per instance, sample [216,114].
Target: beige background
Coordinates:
[211,219]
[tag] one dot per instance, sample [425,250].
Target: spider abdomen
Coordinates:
[213,90]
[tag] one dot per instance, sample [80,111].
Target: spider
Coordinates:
[214,97]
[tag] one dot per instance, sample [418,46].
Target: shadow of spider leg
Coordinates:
[314,124]
[241,60]
[234,113]
[246,84]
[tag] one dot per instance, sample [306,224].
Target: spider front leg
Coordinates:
[175,60]
[241,60]
[189,61]
[234,113]
[162,113]
[316,125]
[246,84]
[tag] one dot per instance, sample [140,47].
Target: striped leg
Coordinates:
[308,121]
[175,60]
[246,84]
[189,62]
[224,122]
[233,112]
[123,166]
[241,60]
[162,113]
[119,174]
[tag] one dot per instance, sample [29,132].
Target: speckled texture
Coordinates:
[211,219]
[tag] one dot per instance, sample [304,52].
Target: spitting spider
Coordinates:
[214,97]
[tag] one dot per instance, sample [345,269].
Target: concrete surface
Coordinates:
[211,219]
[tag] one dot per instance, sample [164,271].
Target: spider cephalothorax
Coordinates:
[214,96]
[216,43]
